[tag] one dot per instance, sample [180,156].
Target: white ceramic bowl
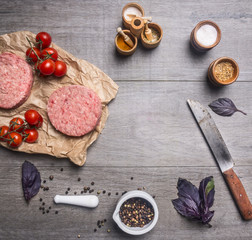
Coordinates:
[136,230]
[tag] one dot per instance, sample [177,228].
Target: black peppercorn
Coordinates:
[79,179]
[92,183]
[61,169]
[51,177]
[56,212]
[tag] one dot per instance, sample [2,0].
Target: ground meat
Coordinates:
[74,110]
[16,80]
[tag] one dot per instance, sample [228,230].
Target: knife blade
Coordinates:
[222,157]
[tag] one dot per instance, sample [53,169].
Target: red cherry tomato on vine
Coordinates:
[44,39]
[49,51]
[17,124]
[3,133]
[31,56]
[14,139]
[47,67]
[40,122]
[32,135]
[60,69]
[33,118]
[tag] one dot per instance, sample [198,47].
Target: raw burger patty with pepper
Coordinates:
[15,80]
[74,110]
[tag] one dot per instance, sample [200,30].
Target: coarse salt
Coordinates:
[133,11]
[206,35]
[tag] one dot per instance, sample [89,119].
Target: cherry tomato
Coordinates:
[47,67]
[60,69]
[44,39]
[49,53]
[40,122]
[32,135]
[3,133]
[32,117]
[31,56]
[17,124]
[14,139]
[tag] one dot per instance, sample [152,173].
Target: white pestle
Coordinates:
[90,201]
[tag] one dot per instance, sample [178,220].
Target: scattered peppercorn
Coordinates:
[99,226]
[79,179]
[51,177]
[40,208]
[44,181]
[66,192]
[68,189]
[104,191]
[98,222]
[88,188]
[40,199]
[61,169]
[43,204]
[56,212]
[85,188]
[105,220]
[95,230]
[117,193]
[43,212]
[109,193]
[92,183]
[82,192]
[50,207]
[47,211]
[131,178]
[75,193]
[153,196]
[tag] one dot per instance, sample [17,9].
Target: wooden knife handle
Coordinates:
[239,194]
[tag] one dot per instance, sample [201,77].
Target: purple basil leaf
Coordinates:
[189,200]
[193,203]
[206,191]
[186,208]
[187,190]
[31,180]
[207,217]
[224,107]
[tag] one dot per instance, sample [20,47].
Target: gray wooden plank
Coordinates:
[25,221]
[87,30]
[150,124]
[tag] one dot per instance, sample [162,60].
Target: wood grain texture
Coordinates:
[239,194]
[76,27]
[150,134]
[25,221]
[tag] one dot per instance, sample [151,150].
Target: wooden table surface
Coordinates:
[150,134]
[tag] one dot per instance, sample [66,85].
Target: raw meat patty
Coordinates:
[74,110]
[15,80]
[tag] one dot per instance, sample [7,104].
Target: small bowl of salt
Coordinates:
[205,36]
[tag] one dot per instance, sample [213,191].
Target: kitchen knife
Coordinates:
[222,156]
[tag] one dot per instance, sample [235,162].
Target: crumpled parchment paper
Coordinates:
[79,72]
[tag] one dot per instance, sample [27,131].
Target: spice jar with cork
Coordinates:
[205,36]
[223,71]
